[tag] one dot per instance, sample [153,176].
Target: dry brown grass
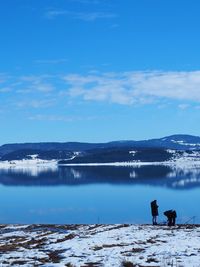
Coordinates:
[128,264]
[34,243]
[55,257]
[92,264]
[67,237]
[149,260]
[8,248]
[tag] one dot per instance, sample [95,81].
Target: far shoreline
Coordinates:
[55,163]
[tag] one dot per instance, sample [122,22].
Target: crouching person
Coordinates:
[171,217]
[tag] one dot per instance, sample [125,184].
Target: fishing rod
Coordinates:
[192,218]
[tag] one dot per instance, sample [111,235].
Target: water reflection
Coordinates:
[97,194]
[164,176]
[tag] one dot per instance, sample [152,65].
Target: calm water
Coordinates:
[97,194]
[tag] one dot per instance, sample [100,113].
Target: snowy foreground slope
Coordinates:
[100,245]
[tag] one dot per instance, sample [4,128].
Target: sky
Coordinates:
[98,70]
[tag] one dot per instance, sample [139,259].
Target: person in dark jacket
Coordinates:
[154,211]
[171,217]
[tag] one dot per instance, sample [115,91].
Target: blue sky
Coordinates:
[98,70]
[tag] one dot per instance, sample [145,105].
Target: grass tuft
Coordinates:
[128,264]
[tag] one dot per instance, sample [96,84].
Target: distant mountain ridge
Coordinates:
[56,150]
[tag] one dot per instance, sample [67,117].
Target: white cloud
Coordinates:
[3,77]
[36,83]
[41,117]
[64,118]
[36,103]
[124,88]
[51,14]
[85,16]
[183,106]
[92,16]
[44,87]
[114,26]
[135,87]
[5,89]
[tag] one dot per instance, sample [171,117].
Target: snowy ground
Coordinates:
[27,163]
[100,245]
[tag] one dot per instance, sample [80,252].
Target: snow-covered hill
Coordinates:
[172,149]
[178,141]
[120,157]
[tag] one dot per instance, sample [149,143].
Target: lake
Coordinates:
[68,195]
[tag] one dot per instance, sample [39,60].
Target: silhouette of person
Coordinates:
[154,211]
[174,215]
[171,217]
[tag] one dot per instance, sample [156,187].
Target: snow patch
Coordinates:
[182,142]
[33,156]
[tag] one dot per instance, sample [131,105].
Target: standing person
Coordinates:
[154,211]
